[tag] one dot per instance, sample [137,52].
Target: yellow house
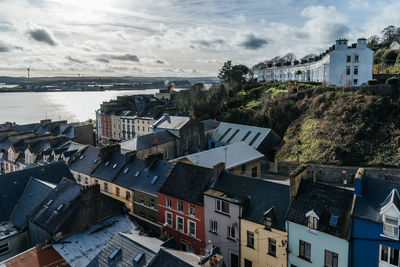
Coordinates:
[262,226]
[143,125]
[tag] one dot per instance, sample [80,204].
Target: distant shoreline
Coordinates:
[104,90]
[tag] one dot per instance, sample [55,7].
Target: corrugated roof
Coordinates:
[233,155]
[171,122]
[35,192]
[232,133]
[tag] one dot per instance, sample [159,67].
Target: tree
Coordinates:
[389,34]
[306,57]
[238,71]
[225,72]
[298,73]
[289,57]
[373,42]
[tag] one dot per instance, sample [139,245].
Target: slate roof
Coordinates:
[142,181]
[147,141]
[129,246]
[12,185]
[375,194]
[108,173]
[325,200]
[210,124]
[171,122]
[232,133]
[175,258]
[57,206]
[35,192]
[88,162]
[187,182]
[236,154]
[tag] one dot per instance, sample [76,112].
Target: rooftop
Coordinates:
[110,167]
[147,141]
[7,229]
[171,122]
[229,154]
[87,161]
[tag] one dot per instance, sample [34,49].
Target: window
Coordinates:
[348,70]
[254,172]
[213,226]
[192,228]
[117,191]
[168,219]
[151,202]
[169,202]
[247,263]
[304,250]
[243,168]
[234,260]
[355,81]
[180,206]
[391,226]
[250,239]
[179,223]
[389,255]
[231,232]
[312,222]
[272,247]
[348,59]
[222,206]
[106,187]
[356,59]
[141,200]
[331,259]
[127,195]
[4,249]
[355,70]
[191,210]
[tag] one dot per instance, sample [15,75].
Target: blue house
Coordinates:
[375,227]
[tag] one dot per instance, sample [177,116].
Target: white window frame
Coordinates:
[166,219]
[231,228]
[192,210]
[312,222]
[387,263]
[177,206]
[213,226]
[218,206]
[390,229]
[177,224]
[168,202]
[188,226]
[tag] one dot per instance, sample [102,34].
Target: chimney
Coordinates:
[358,182]
[218,168]
[191,114]
[129,156]
[90,192]
[295,179]
[155,139]
[215,123]
[106,151]
[361,43]
[149,159]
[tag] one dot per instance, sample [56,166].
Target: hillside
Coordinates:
[336,125]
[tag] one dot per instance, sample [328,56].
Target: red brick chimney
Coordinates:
[155,139]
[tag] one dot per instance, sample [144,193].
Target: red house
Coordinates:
[106,125]
[181,206]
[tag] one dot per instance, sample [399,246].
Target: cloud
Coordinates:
[75,60]
[252,42]
[103,60]
[125,57]
[42,35]
[210,43]
[3,48]
[159,61]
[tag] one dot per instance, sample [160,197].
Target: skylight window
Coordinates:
[94,161]
[137,173]
[114,253]
[107,163]
[60,207]
[115,165]
[81,157]
[247,135]
[138,257]
[153,181]
[333,220]
[126,170]
[49,202]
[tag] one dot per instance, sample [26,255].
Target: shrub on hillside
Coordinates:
[377,56]
[372,82]
[389,57]
[398,59]
[393,81]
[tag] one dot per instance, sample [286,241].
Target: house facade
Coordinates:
[375,222]
[181,208]
[340,65]
[318,223]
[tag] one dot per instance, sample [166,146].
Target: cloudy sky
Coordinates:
[174,37]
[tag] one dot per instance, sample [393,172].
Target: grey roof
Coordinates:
[147,141]
[325,201]
[35,192]
[375,195]
[127,177]
[232,133]
[12,185]
[187,182]
[87,161]
[57,206]
[110,167]
[236,154]
[125,248]
[175,258]
[171,122]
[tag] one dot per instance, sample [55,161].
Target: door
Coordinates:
[234,260]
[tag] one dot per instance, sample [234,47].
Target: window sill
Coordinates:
[231,238]
[272,255]
[304,258]
[252,247]
[222,213]
[214,233]
[390,237]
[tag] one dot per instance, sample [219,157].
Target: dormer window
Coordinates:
[391,226]
[390,215]
[269,217]
[312,218]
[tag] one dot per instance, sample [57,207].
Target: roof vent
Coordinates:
[107,163]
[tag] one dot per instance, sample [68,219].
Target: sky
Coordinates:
[174,37]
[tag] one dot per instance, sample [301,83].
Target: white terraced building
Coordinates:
[340,65]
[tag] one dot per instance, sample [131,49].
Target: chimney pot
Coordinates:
[218,168]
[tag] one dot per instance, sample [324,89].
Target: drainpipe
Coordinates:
[287,245]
